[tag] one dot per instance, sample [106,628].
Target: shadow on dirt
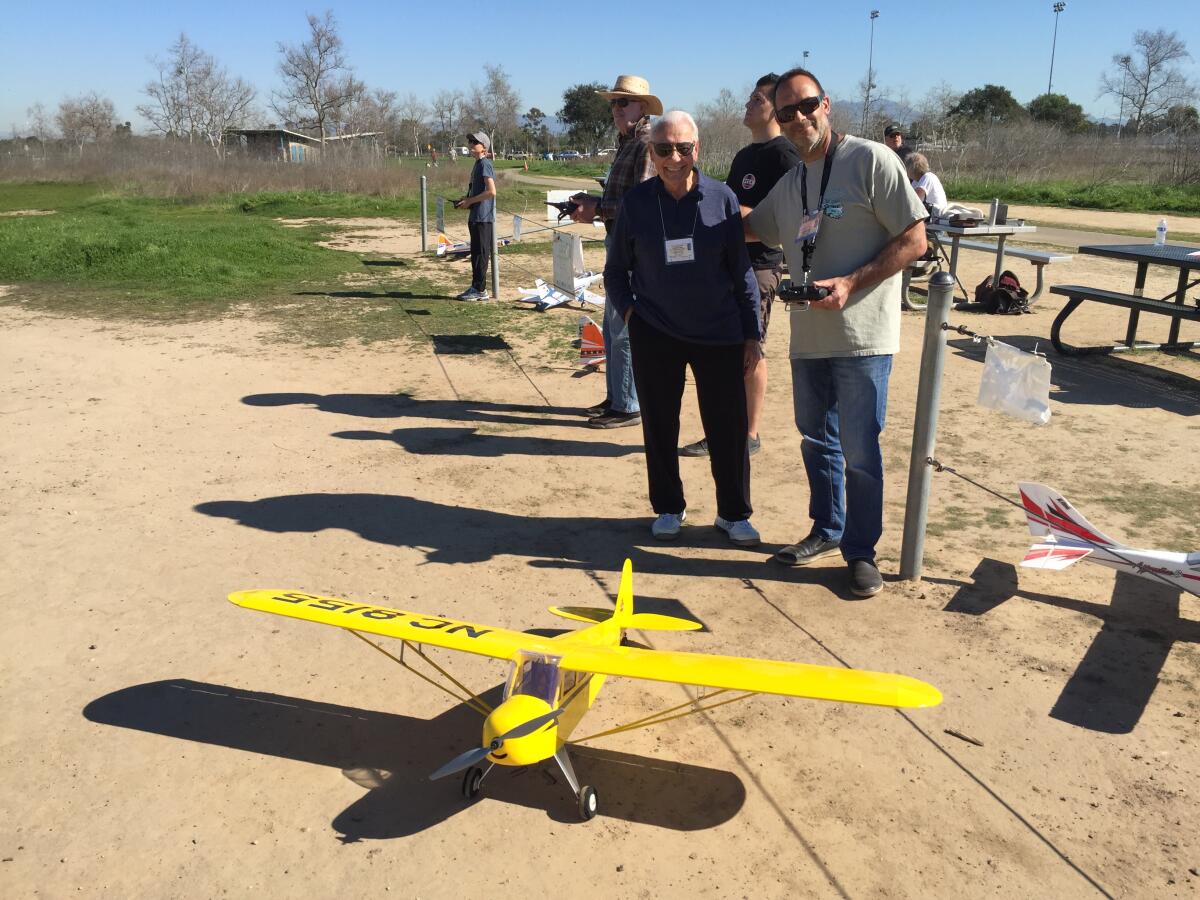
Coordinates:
[1103,380]
[1116,678]
[392,756]
[397,406]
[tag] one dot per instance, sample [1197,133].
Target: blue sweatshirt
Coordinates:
[712,299]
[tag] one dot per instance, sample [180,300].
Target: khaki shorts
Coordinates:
[768,286]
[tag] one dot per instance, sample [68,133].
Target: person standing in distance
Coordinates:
[849,214]
[893,136]
[632,105]
[481,200]
[755,170]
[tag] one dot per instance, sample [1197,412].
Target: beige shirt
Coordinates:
[868,202]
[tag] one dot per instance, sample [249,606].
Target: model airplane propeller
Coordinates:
[554,681]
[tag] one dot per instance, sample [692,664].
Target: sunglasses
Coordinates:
[619,102]
[664,148]
[806,106]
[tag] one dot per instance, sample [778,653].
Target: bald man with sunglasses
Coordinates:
[848,219]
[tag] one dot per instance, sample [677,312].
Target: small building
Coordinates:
[284,144]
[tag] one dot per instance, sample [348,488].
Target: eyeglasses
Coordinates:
[806,106]
[619,102]
[664,148]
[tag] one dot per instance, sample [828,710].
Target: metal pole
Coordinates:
[1125,60]
[424,213]
[1058,8]
[495,263]
[870,73]
[929,393]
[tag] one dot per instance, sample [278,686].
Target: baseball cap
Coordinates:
[894,128]
[480,137]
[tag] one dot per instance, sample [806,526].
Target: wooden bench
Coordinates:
[1076,294]
[1039,258]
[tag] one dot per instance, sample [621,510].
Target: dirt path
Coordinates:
[158,742]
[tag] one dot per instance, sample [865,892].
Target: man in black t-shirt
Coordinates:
[893,136]
[752,174]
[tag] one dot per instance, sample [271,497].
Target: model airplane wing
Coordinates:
[762,676]
[1053,556]
[483,640]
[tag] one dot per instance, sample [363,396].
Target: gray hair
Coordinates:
[674,117]
[917,165]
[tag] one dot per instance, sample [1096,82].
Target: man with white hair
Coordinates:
[632,105]
[679,275]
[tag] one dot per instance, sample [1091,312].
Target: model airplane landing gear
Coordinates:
[473,781]
[586,795]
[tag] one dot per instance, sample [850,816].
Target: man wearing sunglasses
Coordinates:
[754,171]
[632,104]
[849,219]
[679,275]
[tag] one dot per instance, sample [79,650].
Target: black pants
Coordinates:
[481,252]
[659,365]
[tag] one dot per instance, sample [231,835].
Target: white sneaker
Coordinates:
[666,527]
[741,532]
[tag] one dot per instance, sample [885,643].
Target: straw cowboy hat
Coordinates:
[634,87]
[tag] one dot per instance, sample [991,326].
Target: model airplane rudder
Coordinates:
[1050,513]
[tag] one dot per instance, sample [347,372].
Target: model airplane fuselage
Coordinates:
[1065,537]
[553,681]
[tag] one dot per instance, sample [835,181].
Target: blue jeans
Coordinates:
[840,405]
[618,360]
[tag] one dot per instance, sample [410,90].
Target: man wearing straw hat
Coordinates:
[632,105]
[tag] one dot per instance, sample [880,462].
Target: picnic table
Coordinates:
[1174,304]
[957,232]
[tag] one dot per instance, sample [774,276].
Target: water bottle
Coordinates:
[1160,233]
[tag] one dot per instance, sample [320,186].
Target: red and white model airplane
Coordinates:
[1064,537]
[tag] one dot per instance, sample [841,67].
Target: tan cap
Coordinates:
[480,137]
[634,87]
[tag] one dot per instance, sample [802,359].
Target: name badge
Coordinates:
[679,251]
[809,226]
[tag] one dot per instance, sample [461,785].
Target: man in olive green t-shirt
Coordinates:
[851,201]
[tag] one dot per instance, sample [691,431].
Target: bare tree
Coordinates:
[1146,80]
[40,123]
[413,113]
[319,87]
[446,110]
[377,112]
[722,133]
[193,98]
[495,106]
[88,118]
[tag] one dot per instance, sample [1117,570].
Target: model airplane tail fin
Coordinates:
[591,343]
[1053,556]
[642,621]
[444,243]
[1049,513]
[624,610]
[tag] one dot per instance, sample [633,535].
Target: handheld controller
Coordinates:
[799,296]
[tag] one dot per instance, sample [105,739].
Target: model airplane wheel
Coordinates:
[471,782]
[588,803]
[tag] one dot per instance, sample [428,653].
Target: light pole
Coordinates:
[1125,61]
[1058,8]
[870,73]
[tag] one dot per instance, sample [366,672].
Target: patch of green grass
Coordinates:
[1127,197]
[1156,506]
[46,195]
[558,168]
[142,256]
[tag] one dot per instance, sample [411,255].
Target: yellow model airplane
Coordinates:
[553,681]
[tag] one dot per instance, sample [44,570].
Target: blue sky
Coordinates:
[688,51]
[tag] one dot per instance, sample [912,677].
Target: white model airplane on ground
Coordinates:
[1065,537]
[544,295]
[457,249]
[591,343]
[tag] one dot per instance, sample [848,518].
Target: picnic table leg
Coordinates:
[1181,299]
[1139,289]
[999,259]
[954,239]
[1072,305]
[1038,289]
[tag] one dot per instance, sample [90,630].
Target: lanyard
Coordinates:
[663,221]
[810,242]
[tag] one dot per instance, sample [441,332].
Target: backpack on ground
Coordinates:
[1007,298]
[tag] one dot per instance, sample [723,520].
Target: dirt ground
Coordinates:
[156,741]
